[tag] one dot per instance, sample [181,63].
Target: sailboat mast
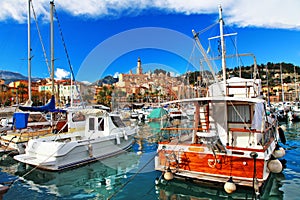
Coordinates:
[296,89]
[222,48]
[52,44]
[71,104]
[282,89]
[29,50]
[268,92]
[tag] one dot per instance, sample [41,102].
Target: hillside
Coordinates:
[11,76]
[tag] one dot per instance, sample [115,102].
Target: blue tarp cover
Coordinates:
[157,113]
[49,107]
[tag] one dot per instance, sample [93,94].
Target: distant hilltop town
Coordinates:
[151,87]
[138,87]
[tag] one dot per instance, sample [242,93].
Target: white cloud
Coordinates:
[265,13]
[61,73]
[116,75]
[259,13]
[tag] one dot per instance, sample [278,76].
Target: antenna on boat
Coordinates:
[206,58]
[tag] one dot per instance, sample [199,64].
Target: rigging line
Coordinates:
[41,39]
[237,52]
[33,169]
[189,61]
[131,178]
[207,28]
[67,54]
[190,57]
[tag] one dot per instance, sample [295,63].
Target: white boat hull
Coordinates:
[75,153]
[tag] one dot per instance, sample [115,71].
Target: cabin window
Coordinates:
[77,117]
[91,124]
[239,113]
[100,124]
[117,121]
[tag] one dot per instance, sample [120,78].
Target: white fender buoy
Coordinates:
[230,186]
[157,180]
[168,175]
[118,139]
[275,166]
[125,135]
[107,181]
[279,153]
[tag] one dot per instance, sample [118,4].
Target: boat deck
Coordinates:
[23,136]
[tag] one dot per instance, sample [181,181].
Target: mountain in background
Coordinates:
[106,80]
[8,76]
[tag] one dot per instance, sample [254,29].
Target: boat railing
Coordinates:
[179,134]
[268,134]
[241,135]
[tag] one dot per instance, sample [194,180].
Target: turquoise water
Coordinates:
[131,176]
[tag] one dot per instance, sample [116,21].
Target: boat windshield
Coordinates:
[117,121]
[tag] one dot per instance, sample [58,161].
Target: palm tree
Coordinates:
[21,91]
[104,96]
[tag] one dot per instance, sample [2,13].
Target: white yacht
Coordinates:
[104,135]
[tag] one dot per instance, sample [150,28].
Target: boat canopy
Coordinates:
[157,113]
[216,99]
[49,107]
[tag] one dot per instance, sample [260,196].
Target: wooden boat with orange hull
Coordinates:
[232,139]
[221,147]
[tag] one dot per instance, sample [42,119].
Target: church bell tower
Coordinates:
[139,69]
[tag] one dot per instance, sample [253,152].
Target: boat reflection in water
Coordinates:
[97,180]
[178,189]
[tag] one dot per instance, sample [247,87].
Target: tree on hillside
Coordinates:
[21,91]
[104,96]
[158,71]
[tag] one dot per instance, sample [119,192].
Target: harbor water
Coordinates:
[131,175]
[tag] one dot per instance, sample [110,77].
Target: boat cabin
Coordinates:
[103,124]
[241,123]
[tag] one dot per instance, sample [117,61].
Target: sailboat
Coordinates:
[27,122]
[103,135]
[232,141]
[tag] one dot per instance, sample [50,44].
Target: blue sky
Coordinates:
[106,37]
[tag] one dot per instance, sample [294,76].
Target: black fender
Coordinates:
[281,135]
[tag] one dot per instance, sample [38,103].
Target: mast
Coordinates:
[71,103]
[52,44]
[52,54]
[296,88]
[282,90]
[222,48]
[29,50]
[268,92]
